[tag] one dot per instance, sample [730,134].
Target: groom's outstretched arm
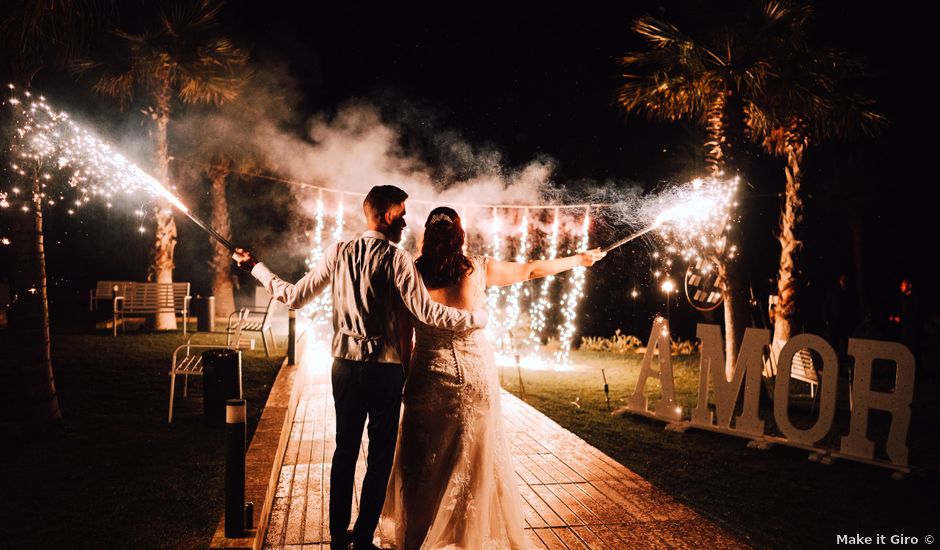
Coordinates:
[298,294]
[417,300]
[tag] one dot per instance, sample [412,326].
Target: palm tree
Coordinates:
[720,82]
[216,158]
[36,35]
[48,34]
[182,56]
[809,102]
[229,141]
[29,312]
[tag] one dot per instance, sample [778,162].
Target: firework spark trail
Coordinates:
[44,135]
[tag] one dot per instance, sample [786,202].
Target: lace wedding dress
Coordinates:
[453,485]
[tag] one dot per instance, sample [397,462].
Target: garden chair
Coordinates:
[262,325]
[190,364]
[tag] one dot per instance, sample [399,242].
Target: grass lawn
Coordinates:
[120,476]
[771,499]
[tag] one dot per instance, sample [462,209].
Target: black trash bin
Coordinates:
[204,311]
[221,381]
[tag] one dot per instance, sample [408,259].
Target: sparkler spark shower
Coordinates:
[537,315]
[691,217]
[44,135]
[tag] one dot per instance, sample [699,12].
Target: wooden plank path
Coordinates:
[574,496]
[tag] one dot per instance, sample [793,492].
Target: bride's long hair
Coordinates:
[442,262]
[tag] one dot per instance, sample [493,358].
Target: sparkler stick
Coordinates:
[208,229]
[629,238]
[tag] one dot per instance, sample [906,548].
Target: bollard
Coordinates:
[235,435]
[292,337]
[249,516]
[606,389]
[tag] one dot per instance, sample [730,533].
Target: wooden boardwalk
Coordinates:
[574,495]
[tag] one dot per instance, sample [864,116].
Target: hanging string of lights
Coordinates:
[538,318]
[571,299]
[325,189]
[513,308]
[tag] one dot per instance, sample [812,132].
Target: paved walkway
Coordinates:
[574,495]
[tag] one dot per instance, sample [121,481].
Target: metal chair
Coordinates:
[190,364]
[262,326]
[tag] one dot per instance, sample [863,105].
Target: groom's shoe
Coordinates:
[344,544]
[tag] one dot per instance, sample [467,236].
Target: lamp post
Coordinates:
[668,287]
[633,294]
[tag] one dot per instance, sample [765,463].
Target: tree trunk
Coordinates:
[161,254]
[790,278]
[29,319]
[725,128]
[737,318]
[222,284]
[715,129]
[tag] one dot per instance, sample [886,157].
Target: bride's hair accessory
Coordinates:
[440,218]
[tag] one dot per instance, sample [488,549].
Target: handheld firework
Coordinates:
[44,133]
[695,210]
[630,237]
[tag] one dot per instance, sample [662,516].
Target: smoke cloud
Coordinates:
[361,145]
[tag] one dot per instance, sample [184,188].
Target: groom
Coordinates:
[372,281]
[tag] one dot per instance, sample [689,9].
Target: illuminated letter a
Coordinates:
[666,407]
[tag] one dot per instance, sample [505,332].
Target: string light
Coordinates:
[513,309]
[570,301]
[540,306]
[495,331]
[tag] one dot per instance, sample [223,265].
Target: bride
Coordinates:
[453,484]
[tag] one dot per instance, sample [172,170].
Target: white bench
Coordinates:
[802,368]
[190,364]
[148,298]
[105,290]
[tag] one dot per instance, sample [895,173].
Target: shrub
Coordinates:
[625,343]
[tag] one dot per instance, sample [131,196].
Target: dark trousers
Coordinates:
[360,391]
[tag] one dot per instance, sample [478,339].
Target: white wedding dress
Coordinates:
[453,485]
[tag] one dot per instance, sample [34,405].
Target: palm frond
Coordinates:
[50,33]
[183,50]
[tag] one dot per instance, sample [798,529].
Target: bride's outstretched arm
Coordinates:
[507,273]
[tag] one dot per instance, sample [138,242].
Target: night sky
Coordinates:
[542,81]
